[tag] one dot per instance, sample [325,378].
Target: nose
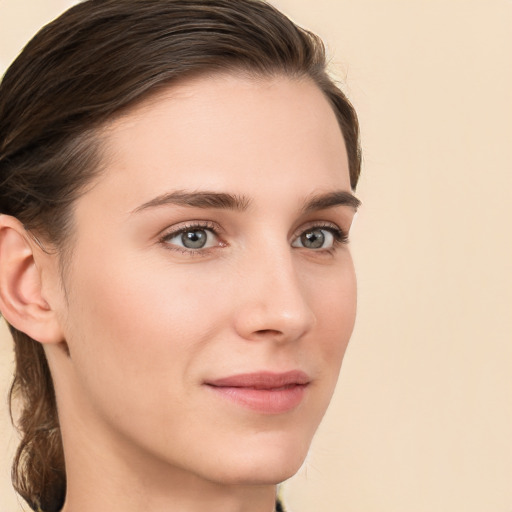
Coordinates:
[273,301]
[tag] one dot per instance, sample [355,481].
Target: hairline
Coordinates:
[95,137]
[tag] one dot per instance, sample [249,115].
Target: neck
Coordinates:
[105,474]
[90,495]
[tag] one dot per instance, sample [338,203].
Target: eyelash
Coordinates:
[203,225]
[340,237]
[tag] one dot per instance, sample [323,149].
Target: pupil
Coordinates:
[194,239]
[313,239]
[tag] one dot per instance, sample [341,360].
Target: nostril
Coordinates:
[268,332]
[280,316]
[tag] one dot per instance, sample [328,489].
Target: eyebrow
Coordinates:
[330,200]
[205,199]
[223,200]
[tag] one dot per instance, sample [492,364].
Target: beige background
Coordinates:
[422,419]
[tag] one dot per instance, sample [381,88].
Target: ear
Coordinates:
[21,296]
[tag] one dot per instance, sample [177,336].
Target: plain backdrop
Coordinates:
[422,417]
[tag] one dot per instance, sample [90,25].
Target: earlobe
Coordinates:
[21,299]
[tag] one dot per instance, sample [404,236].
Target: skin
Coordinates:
[140,323]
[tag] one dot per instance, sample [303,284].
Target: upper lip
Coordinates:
[262,380]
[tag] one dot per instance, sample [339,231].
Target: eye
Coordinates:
[192,238]
[320,237]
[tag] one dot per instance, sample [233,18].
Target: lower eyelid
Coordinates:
[340,236]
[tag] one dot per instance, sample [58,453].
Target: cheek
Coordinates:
[335,310]
[136,337]
[133,322]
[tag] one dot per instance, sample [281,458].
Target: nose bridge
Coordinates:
[273,301]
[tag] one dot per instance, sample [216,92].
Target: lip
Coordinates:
[264,392]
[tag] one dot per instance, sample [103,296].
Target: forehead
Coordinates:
[226,133]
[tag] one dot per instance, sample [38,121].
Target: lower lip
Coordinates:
[267,401]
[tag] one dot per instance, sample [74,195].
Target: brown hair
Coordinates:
[98,58]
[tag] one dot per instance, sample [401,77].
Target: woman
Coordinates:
[176,196]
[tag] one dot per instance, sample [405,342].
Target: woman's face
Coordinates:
[211,294]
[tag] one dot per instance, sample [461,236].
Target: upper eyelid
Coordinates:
[217,230]
[190,225]
[319,225]
[166,235]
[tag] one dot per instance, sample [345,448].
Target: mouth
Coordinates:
[263,392]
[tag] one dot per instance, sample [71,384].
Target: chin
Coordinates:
[272,473]
[270,463]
